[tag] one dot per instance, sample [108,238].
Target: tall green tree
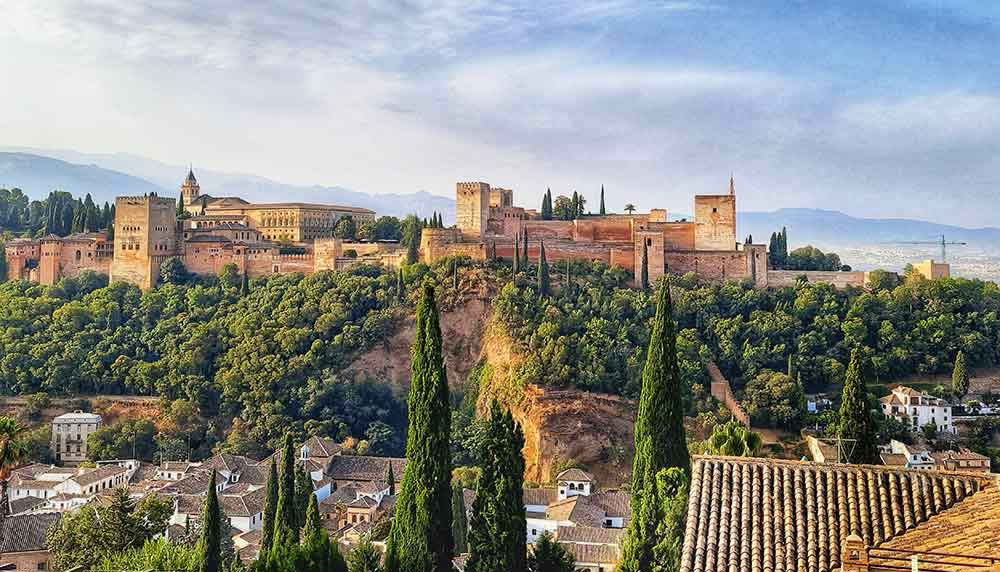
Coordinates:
[459,520]
[575,206]
[660,441]
[13,450]
[365,557]
[855,420]
[672,491]
[303,492]
[524,245]
[603,212]
[547,205]
[400,287]
[286,528]
[960,375]
[497,528]
[210,543]
[517,256]
[270,507]
[390,478]
[549,556]
[644,271]
[319,554]
[420,539]
[543,272]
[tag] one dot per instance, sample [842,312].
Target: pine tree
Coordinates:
[286,529]
[496,533]
[960,375]
[855,419]
[659,437]
[270,507]
[303,492]
[543,272]
[603,212]
[549,556]
[210,544]
[644,271]
[420,539]
[459,521]
[390,478]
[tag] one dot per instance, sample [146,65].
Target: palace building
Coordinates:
[216,231]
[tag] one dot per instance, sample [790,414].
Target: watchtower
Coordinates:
[472,208]
[190,190]
[145,236]
[715,220]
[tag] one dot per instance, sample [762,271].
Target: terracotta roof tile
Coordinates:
[765,514]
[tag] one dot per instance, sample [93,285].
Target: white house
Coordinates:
[902,455]
[66,488]
[916,409]
[69,435]
[572,482]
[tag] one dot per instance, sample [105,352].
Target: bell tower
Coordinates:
[190,190]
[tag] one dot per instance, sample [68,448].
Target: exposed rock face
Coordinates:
[592,429]
[462,330]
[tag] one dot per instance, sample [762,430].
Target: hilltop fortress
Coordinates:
[276,238]
[488,222]
[214,232]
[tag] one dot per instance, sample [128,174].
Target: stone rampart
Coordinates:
[780,278]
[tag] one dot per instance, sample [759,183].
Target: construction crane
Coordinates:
[941,241]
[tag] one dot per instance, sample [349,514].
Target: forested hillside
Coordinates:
[274,353]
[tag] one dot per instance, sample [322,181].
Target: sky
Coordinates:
[875,108]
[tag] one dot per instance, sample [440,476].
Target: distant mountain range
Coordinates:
[105,176]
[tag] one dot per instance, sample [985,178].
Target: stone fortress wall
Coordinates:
[707,245]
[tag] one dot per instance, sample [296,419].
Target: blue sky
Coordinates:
[874,108]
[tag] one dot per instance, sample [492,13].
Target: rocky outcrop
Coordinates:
[563,426]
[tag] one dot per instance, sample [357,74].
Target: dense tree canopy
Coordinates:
[265,356]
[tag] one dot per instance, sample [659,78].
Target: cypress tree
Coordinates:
[659,437]
[569,274]
[270,507]
[286,529]
[855,416]
[303,492]
[549,556]
[644,271]
[365,557]
[420,539]
[575,206]
[454,275]
[390,478]
[543,272]
[497,530]
[603,212]
[245,284]
[517,256]
[413,247]
[459,521]
[210,543]
[524,259]
[784,244]
[960,375]
[318,554]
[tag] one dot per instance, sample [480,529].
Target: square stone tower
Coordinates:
[715,220]
[145,236]
[472,208]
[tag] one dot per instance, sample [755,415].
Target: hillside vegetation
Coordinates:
[302,352]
